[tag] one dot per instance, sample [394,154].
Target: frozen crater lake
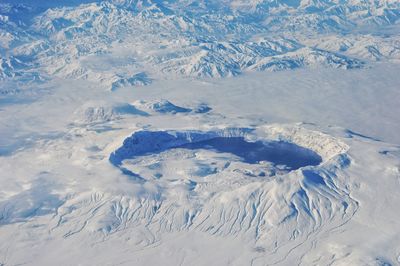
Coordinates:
[224,146]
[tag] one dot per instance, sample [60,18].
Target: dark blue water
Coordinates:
[276,152]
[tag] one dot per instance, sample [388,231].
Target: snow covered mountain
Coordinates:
[137,41]
[123,142]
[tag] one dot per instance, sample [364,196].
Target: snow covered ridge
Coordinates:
[325,145]
[131,43]
[100,112]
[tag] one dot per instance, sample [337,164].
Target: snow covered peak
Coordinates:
[207,38]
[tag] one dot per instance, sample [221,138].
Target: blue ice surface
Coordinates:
[276,152]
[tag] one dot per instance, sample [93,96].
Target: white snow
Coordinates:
[139,132]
